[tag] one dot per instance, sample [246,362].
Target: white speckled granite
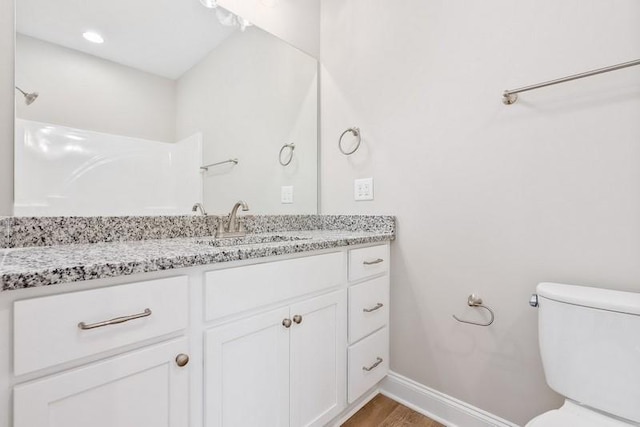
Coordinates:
[43,266]
[4,231]
[20,232]
[49,231]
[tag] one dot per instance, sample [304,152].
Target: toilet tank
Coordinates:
[590,346]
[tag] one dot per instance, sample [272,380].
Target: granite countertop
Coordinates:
[49,265]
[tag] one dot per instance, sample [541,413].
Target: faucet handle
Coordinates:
[241,226]
[220,229]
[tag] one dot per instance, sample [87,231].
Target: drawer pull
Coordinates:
[376,261]
[84,326]
[286,323]
[377,307]
[374,366]
[297,318]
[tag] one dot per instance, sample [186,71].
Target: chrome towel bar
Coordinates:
[511,96]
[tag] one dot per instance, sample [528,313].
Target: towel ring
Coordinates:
[356,132]
[475,301]
[284,147]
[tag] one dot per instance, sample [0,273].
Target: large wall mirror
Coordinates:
[148,107]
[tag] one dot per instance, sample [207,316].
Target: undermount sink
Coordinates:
[249,240]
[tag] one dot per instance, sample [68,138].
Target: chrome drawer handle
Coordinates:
[297,318]
[377,261]
[84,326]
[377,307]
[374,366]
[286,323]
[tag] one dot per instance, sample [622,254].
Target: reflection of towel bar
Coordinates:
[291,147]
[206,167]
[476,301]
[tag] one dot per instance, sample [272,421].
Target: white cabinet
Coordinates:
[247,372]
[60,328]
[318,359]
[144,388]
[285,343]
[286,367]
[368,319]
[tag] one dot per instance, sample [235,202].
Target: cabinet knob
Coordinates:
[286,323]
[182,359]
[297,318]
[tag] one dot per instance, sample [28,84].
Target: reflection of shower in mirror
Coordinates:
[28,97]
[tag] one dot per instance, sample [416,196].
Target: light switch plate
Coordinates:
[286,194]
[363,189]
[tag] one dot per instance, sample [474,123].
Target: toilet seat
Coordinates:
[572,414]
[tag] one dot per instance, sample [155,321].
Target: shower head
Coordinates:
[28,97]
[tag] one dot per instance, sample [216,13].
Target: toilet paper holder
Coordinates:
[475,301]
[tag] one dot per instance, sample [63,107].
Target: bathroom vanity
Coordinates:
[286,328]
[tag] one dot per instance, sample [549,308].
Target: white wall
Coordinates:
[248,97]
[490,199]
[6,106]
[296,21]
[86,92]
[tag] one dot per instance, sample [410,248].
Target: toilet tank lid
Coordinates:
[603,299]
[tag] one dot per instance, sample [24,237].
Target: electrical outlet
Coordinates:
[363,189]
[286,194]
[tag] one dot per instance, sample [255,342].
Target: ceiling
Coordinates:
[162,37]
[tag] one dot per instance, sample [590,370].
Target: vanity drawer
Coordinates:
[234,290]
[368,307]
[366,262]
[368,363]
[48,330]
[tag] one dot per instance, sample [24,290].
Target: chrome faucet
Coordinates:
[234,228]
[200,207]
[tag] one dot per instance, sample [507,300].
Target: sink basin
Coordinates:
[249,240]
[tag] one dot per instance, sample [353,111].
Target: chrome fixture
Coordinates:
[533,301]
[182,360]
[286,323]
[286,162]
[378,361]
[476,301]
[226,18]
[374,262]
[356,132]
[85,326]
[297,318]
[28,97]
[511,96]
[234,227]
[206,167]
[198,206]
[378,306]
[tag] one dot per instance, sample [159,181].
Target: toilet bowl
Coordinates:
[590,347]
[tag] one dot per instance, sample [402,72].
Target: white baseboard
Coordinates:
[438,406]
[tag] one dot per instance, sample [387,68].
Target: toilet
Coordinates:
[590,347]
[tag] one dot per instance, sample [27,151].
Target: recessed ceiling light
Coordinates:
[93,37]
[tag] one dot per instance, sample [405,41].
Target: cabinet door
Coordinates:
[247,372]
[318,359]
[144,388]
